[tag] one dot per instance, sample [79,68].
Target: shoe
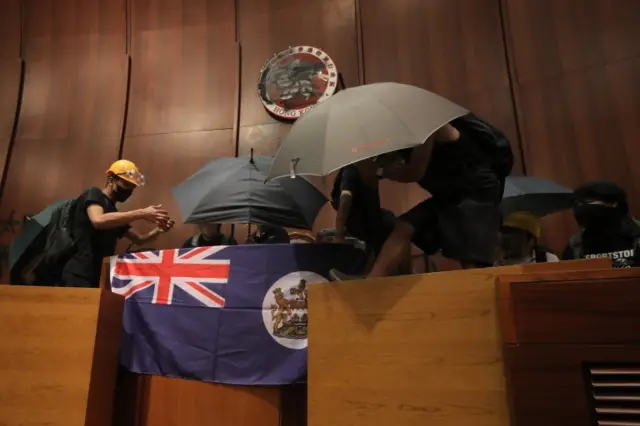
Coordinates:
[335,275]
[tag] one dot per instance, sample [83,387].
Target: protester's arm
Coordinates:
[147,237]
[350,181]
[343,213]
[142,238]
[420,157]
[101,220]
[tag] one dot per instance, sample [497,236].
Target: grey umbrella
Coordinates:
[359,123]
[535,195]
[233,190]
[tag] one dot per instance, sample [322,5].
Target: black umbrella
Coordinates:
[535,195]
[233,190]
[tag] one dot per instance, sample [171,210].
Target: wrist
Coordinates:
[137,215]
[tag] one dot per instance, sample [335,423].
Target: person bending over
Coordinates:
[97,224]
[602,211]
[356,198]
[461,218]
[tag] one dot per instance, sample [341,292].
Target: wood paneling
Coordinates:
[576,88]
[547,382]
[202,403]
[67,29]
[181,101]
[10,30]
[58,367]
[552,325]
[577,307]
[183,66]
[10,83]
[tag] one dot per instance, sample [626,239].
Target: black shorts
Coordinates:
[371,227]
[465,229]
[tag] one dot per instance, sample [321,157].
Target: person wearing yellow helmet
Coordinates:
[96,224]
[519,237]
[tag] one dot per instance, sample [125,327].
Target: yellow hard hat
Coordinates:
[126,170]
[525,221]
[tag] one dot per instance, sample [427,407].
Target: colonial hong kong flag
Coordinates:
[235,315]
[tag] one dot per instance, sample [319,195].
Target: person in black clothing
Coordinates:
[462,216]
[602,211]
[97,224]
[210,235]
[356,198]
[269,234]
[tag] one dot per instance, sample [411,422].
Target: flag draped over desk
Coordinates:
[235,315]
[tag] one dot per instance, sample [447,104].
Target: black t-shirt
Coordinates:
[92,244]
[364,197]
[200,241]
[458,169]
[620,246]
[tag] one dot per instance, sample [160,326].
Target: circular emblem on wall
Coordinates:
[284,308]
[296,79]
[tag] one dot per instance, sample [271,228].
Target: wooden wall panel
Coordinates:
[68,28]
[11,68]
[10,29]
[575,66]
[182,96]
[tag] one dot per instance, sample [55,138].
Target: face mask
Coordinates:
[512,245]
[596,216]
[122,194]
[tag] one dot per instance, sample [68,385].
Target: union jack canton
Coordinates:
[191,276]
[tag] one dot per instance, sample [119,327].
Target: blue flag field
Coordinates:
[235,315]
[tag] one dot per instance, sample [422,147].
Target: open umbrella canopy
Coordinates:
[360,123]
[233,190]
[535,195]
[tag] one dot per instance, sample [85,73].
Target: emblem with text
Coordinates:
[296,79]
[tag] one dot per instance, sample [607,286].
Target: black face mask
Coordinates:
[122,194]
[597,216]
[513,245]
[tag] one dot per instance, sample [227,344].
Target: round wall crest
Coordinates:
[296,79]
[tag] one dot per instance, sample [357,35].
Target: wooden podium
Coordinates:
[146,400]
[571,347]
[58,356]
[412,350]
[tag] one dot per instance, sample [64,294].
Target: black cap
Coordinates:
[604,191]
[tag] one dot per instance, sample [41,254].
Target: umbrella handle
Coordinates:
[292,167]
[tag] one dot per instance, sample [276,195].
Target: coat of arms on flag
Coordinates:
[233,315]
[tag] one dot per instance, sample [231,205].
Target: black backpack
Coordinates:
[490,141]
[61,243]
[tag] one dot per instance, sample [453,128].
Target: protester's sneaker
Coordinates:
[335,275]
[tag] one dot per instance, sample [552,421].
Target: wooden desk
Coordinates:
[559,328]
[411,350]
[58,356]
